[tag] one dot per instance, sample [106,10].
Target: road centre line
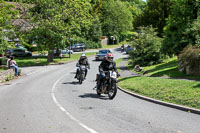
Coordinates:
[64,110]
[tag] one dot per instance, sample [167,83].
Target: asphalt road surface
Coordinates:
[49,100]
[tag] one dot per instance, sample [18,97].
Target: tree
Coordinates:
[183,14]
[146,47]
[155,14]
[115,18]
[6,14]
[57,20]
[95,31]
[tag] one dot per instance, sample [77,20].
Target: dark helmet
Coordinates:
[109,57]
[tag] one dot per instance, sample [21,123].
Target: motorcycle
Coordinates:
[81,74]
[108,86]
[122,49]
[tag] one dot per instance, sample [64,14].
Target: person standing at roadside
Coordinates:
[14,65]
[60,55]
[8,62]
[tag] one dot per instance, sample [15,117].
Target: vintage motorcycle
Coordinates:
[109,85]
[81,74]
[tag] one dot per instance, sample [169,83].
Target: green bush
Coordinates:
[3,61]
[89,44]
[189,60]
[146,47]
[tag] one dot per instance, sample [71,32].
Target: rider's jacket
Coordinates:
[106,66]
[83,62]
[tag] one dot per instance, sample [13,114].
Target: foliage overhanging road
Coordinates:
[50,100]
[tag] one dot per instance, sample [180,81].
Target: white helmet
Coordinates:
[83,56]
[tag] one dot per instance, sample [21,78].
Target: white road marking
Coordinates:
[65,111]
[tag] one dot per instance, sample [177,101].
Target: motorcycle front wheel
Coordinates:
[98,88]
[112,91]
[81,79]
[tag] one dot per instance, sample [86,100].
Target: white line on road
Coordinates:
[65,111]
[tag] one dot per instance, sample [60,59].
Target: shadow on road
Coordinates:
[73,83]
[93,95]
[96,60]
[72,72]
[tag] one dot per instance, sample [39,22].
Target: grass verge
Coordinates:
[183,92]
[169,69]
[118,61]
[42,60]
[111,46]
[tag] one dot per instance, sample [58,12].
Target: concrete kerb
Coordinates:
[179,107]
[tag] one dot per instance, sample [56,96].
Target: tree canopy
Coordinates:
[6,14]
[57,20]
[116,18]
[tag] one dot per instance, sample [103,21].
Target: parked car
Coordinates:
[128,48]
[64,51]
[102,54]
[78,47]
[18,52]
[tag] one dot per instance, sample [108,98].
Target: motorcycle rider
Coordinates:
[106,65]
[122,48]
[82,61]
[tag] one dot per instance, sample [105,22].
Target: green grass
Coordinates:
[117,64]
[111,46]
[183,92]
[167,69]
[42,60]
[164,84]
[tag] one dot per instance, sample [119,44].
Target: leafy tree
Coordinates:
[57,20]
[6,14]
[95,31]
[183,13]
[96,6]
[146,47]
[115,18]
[155,14]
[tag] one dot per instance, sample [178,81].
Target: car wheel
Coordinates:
[29,55]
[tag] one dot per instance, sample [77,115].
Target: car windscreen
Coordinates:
[103,51]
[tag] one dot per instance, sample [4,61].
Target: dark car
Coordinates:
[102,54]
[78,47]
[128,49]
[18,52]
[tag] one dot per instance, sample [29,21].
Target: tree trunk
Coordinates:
[50,56]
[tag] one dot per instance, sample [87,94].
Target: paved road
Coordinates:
[49,100]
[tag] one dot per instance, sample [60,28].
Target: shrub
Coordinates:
[189,60]
[3,61]
[146,47]
[89,44]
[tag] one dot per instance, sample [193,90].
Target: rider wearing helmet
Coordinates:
[82,61]
[106,65]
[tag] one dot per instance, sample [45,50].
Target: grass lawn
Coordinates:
[42,60]
[117,64]
[111,46]
[169,69]
[183,92]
